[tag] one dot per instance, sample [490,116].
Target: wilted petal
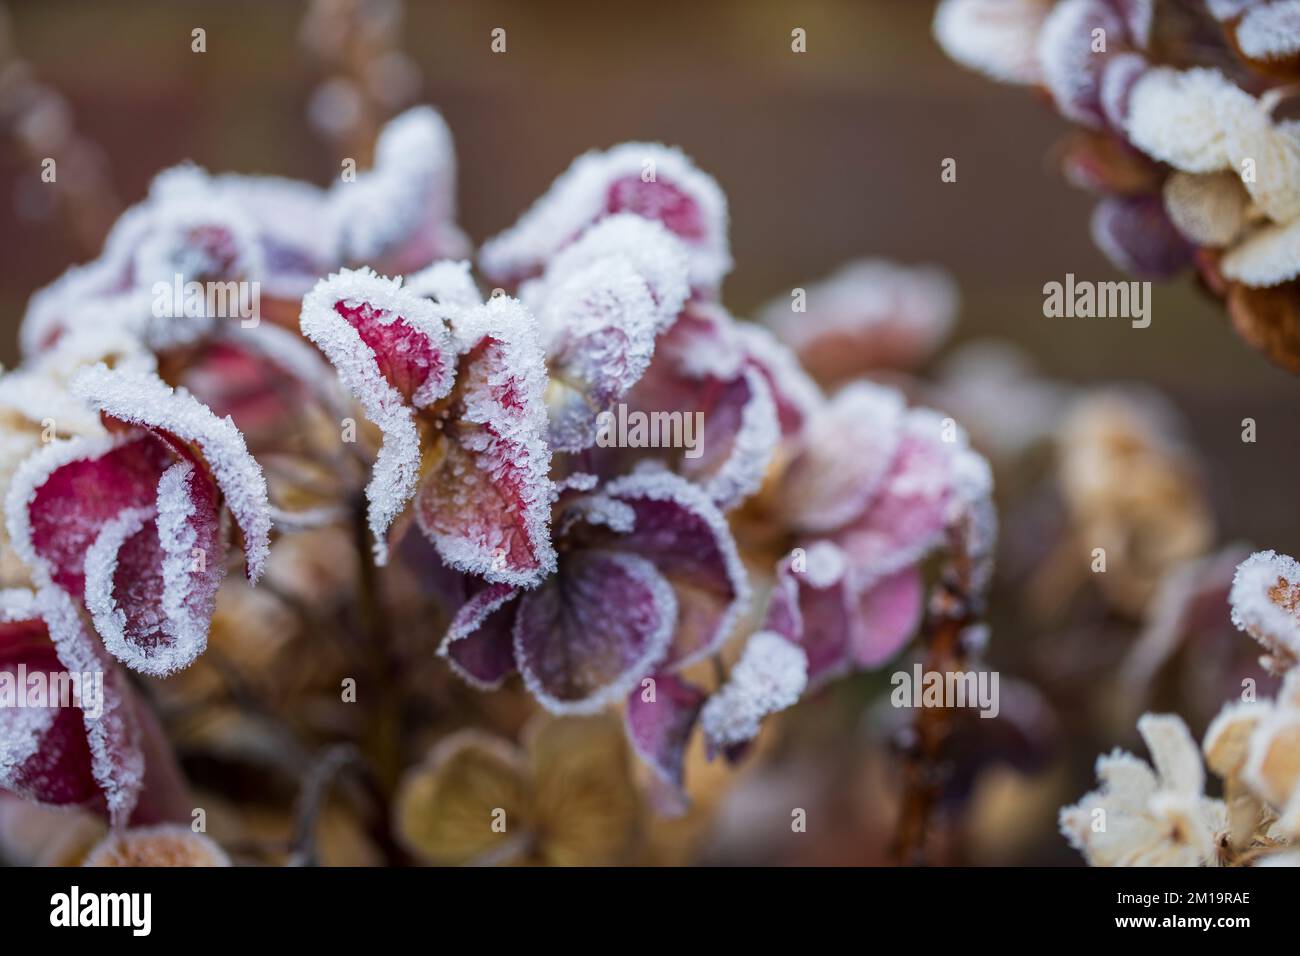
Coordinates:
[585,637]
[811,606]
[486,494]
[401,214]
[445,807]
[1136,236]
[1184,118]
[394,353]
[641,178]
[686,538]
[479,644]
[795,394]
[1269,256]
[660,727]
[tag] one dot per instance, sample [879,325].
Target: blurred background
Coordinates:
[826,156]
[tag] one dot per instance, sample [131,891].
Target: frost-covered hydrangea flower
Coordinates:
[1184,148]
[1146,817]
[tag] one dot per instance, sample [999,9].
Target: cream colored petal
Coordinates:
[1207,208]
[1227,741]
[1267,158]
[1179,117]
[1273,767]
[1268,256]
[993,37]
[1173,751]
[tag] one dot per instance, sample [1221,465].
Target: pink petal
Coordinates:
[585,637]
[152,575]
[888,613]
[486,502]
[847,451]
[479,644]
[62,497]
[641,178]
[686,538]
[660,729]
[796,395]
[910,511]
[813,608]
[184,423]
[393,352]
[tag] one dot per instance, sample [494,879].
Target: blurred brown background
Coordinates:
[825,156]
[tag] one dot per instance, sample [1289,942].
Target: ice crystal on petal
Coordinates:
[659,729]
[769,677]
[647,179]
[993,37]
[1265,601]
[147,401]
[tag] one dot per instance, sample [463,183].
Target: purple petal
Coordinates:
[478,644]
[687,540]
[660,729]
[586,636]
[1136,235]
[888,614]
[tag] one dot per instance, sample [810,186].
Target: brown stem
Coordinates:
[923,774]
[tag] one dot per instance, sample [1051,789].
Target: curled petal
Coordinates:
[645,179]
[61,497]
[584,638]
[393,352]
[769,677]
[486,494]
[686,538]
[1185,118]
[152,576]
[182,421]
[401,214]
[659,724]
[479,644]
[1269,256]
[795,394]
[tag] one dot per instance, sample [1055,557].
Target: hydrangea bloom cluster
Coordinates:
[1164,818]
[1183,133]
[451,410]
